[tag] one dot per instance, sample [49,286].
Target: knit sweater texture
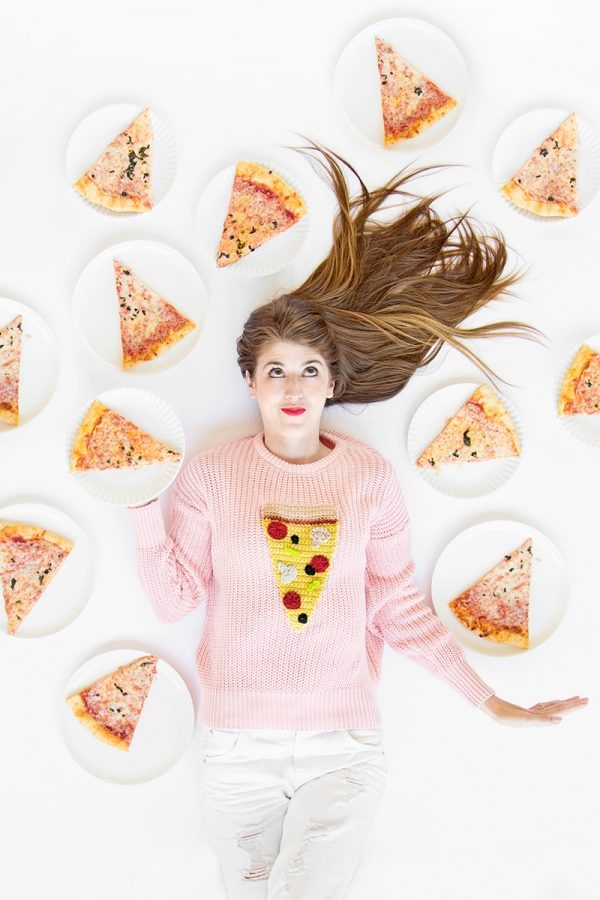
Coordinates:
[305,573]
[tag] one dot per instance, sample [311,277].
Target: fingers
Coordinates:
[551,710]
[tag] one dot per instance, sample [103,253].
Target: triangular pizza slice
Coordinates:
[30,557]
[410,102]
[580,391]
[10,370]
[497,606]
[302,542]
[148,322]
[481,429]
[121,177]
[547,183]
[107,440]
[110,707]
[261,206]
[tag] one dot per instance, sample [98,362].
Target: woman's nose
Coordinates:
[293,387]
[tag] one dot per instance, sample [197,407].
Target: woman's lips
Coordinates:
[293,411]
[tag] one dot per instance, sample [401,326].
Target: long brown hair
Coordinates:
[389,293]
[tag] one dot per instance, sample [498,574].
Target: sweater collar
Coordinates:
[330,437]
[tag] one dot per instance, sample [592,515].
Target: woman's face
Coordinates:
[290,384]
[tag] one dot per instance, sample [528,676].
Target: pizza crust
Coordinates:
[515,193]
[9,417]
[34,532]
[79,708]
[88,188]
[90,421]
[479,624]
[495,410]
[391,138]
[287,196]
[577,367]
[157,348]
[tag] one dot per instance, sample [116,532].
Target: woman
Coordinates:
[297,539]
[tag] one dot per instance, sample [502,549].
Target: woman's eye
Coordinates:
[311,370]
[275,371]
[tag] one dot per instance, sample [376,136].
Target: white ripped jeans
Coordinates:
[287,812]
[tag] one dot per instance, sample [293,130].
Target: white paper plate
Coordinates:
[39,361]
[518,141]
[96,307]
[473,552]
[427,48]
[69,590]
[98,129]
[461,480]
[585,428]
[210,216]
[163,732]
[124,487]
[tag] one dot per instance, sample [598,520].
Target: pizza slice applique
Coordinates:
[547,182]
[149,323]
[497,606]
[580,391]
[30,557]
[10,368]
[110,708]
[410,102]
[262,205]
[302,542]
[121,177]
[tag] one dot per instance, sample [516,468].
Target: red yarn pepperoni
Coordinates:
[291,600]
[277,530]
[319,563]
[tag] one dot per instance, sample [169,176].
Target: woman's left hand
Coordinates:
[548,713]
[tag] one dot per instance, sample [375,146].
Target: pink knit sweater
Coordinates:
[306,573]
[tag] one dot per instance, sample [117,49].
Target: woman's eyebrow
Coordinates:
[275,362]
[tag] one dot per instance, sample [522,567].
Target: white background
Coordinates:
[472,809]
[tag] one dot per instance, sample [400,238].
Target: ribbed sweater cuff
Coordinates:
[148,525]
[466,680]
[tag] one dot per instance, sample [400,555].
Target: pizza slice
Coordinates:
[121,177]
[410,102]
[547,183]
[497,606]
[580,391]
[149,323]
[481,429]
[110,707]
[302,542]
[30,557]
[261,206]
[10,368]
[107,440]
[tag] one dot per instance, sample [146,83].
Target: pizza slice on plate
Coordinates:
[110,707]
[30,557]
[410,102]
[481,429]
[497,606]
[149,323]
[107,440]
[547,183]
[580,391]
[261,206]
[302,542]
[10,362]
[121,178]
